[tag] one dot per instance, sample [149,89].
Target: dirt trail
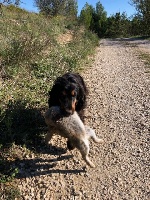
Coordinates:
[118,109]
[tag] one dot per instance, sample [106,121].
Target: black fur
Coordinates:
[68,82]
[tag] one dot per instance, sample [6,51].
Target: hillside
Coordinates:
[34,50]
[40,48]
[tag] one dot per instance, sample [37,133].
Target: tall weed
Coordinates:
[23,48]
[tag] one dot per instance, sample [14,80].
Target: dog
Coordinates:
[69,92]
[70,127]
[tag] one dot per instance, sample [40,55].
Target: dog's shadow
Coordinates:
[38,167]
[25,126]
[27,168]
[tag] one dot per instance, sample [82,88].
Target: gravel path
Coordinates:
[118,107]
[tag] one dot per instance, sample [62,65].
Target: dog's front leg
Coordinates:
[49,135]
[70,146]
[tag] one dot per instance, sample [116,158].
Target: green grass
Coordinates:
[30,60]
[30,56]
[9,192]
[146,58]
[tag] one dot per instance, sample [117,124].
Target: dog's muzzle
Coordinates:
[69,111]
[69,108]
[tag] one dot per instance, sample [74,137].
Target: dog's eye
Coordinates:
[73,93]
[64,93]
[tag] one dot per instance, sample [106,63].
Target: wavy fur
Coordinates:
[66,84]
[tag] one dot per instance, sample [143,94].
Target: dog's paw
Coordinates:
[99,140]
[92,165]
[47,141]
[70,146]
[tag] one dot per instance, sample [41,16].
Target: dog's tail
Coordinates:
[91,134]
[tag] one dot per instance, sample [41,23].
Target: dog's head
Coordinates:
[64,93]
[68,98]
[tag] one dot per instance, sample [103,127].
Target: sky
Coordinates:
[110,6]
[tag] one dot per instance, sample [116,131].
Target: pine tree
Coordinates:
[143,13]
[57,7]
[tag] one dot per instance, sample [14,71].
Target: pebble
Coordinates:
[118,99]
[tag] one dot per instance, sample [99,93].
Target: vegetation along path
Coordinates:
[118,110]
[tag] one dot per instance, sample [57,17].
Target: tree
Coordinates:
[143,9]
[86,15]
[101,13]
[50,7]
[94,18]
[100,18]
[125,25]
[71,8]
[15,2]
[118,25]
[135,26]
[57,7]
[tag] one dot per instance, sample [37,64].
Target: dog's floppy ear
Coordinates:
[59,80]
[72,79]
[58,86]
[82,94]
[81,99]
[55,92]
